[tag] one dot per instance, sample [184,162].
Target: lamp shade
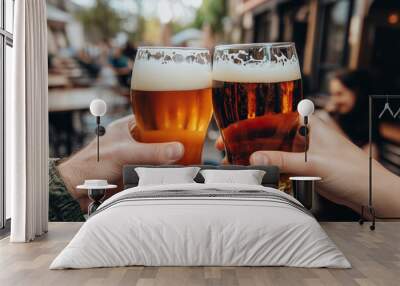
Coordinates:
[98,107]
[305,107]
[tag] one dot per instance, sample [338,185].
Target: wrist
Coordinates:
[84,166]
[385,199]
[73,175]
[385,186]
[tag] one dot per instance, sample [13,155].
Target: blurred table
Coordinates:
[61,100]
[67,108]
[58,80]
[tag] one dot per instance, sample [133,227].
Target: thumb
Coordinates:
[156,153]
[287,162]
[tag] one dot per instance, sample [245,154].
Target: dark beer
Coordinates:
[256,116]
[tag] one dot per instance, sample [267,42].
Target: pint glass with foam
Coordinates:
[256,89]
[171,97]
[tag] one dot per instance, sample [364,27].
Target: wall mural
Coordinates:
[174,96]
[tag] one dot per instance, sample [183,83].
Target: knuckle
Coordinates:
[282,161]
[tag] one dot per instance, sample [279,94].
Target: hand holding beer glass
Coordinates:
[171,98]
[256,89]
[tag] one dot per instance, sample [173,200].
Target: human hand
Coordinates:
[342,166]
[330,106]
[117,148]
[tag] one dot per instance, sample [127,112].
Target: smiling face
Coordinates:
[342,98]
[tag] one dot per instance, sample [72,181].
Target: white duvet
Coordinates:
[200,231]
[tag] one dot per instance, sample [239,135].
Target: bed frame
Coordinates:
[270,179]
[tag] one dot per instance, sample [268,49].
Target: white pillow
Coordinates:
[163,176]
[248,177]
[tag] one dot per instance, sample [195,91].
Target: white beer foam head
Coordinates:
[255,73]
[152,74]
[232,68]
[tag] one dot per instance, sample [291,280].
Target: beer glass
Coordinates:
[256,89]
[171,97]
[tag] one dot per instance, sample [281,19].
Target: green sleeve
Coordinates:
[62,206]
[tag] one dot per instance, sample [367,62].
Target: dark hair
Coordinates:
[355,123]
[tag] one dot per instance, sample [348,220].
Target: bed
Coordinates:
[198,224]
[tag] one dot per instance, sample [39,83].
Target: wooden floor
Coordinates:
[375,257]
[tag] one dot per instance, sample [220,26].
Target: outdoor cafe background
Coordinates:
[92,45]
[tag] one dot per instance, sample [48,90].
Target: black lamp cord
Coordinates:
[306,137]
[98,137]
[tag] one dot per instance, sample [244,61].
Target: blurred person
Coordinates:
[122,66]
[347,109]
[87,63]
[107,77]
[118,148]
[130,50]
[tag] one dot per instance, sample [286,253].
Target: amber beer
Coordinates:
[171,99]
[255,101]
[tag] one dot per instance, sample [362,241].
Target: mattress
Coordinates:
[201,225]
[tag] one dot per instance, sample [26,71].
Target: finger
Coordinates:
[155,153]
[152,153]
[131,122]
[219,144]
[299,141]
[286,161]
